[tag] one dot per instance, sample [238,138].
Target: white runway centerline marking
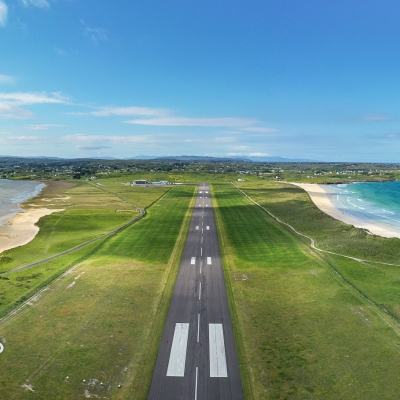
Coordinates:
[202,239]
[200,291]
[218,367]
[201,251]
[193,260]
[198,327]
[177,358]
[195,390]
[208,260]
[197,228]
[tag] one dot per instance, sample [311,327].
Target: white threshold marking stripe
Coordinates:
[200,191]
[199,290]
[208,260]
[198,327]
[218,367]
[207,192]
[193,260]
[195,390]
[177,358]
[208,228]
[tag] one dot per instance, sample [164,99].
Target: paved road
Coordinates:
[197,357]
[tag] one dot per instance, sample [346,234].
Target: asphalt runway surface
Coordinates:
[197,358]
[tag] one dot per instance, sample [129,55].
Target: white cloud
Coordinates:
[42,127]
[93,140]
[95,34]
[3,13]
[10,103]
[238,148]
[258,154]
[258,129]
[93,147]
[223,139]
[21,98]
[59,51]
[375,117]
[12,111]
[129,111]
[6,78]
[36,3]
[183,121]
[23,140]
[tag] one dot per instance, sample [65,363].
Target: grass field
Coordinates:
[90,212]
[302,331]
[99,326]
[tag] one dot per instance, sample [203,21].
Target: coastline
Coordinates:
[322,197]
[21,228]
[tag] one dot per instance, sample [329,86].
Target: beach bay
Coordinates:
[374,206]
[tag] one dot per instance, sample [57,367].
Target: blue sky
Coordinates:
[297,79]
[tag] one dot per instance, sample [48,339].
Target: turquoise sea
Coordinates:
[376,202]
[12,193]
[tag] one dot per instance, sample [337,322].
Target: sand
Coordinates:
[21,228]
[321,195]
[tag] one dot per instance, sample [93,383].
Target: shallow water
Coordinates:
[376,202]
[12,193]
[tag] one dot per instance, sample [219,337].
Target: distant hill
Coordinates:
[168,158]
[223,159]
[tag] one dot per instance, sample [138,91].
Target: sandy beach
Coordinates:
[322,195]
[21,228]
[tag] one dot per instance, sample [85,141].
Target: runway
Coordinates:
[197,358]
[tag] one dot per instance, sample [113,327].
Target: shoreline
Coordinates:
[21,228]
[322,195]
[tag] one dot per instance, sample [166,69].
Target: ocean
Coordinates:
[12,193]
[376,202]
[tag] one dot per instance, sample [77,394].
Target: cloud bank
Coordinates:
[36,3]
[3,13]
[10,103]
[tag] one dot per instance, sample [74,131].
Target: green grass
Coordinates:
[379,283]
[103,321]
[89,213]
[302,332]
